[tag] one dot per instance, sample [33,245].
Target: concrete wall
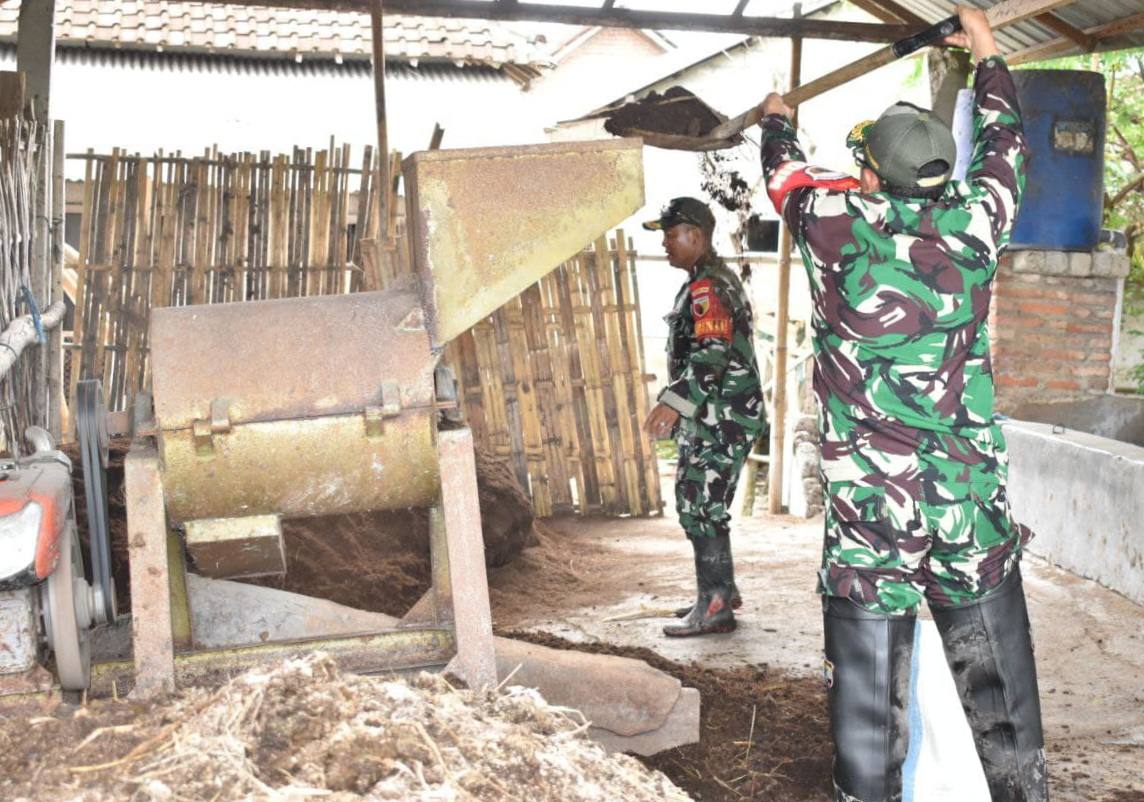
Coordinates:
[1117,417]
[1083,496]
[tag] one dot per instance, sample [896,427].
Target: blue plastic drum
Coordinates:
[1064,115]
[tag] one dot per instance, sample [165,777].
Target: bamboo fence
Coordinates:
[23,155]
[171,231]
[554,380]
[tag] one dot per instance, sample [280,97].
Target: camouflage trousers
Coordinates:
[935,526]
[705,479]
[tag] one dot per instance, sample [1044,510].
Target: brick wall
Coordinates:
[1055,323]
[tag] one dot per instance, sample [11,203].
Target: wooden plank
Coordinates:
[1065,46]
[616,18]
[1057,25]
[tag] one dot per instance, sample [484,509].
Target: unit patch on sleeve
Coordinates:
[712,320]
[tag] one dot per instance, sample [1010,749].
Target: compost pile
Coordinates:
[676,111]
[302,730]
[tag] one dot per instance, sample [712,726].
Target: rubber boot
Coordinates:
[868,679]
[990,653]
[736,599]
[711,612]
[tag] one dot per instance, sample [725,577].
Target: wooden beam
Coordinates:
[738,12]
[1057,25]
[1063,46]
[889,11]
[615,18]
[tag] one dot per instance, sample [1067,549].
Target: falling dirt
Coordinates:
[302,731]
[375,561]
[676,111]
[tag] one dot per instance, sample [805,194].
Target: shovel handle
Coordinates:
[801,94]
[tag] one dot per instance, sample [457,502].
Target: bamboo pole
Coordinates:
[377,17]
[782,319]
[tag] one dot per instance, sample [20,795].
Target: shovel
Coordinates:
[678,120]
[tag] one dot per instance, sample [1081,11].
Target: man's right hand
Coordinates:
[773,104]
[976,34]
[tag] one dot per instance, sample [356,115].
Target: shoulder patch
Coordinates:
[711,315]
[794,175]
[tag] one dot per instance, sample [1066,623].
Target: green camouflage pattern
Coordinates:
[706,476]
[714,385]
[912,459]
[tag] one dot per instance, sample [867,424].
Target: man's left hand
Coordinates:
[660,421]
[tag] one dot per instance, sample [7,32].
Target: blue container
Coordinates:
[1064,116]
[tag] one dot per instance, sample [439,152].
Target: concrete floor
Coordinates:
[1089,640]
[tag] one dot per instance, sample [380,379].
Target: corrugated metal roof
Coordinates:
[276,32]
[1032,40]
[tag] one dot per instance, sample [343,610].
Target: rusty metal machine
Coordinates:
[321,405]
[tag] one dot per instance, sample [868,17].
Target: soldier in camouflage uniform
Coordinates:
[901,265]
[713,404]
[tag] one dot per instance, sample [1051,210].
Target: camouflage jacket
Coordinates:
[901,289]
[714,378]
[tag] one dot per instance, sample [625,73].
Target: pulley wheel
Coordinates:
[68,615]
[91,432]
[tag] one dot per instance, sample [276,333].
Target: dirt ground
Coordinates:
[1090,641]
[605,585]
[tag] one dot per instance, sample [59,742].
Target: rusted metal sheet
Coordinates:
[229,364]
[301,468]
[486,223]
[228,548]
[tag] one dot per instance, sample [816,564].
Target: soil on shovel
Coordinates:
[676,111]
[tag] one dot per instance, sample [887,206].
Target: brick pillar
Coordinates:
[1055,322]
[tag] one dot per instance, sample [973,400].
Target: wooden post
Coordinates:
[36,52]
[782,316]
[949,73]
[56,400]
[377,17]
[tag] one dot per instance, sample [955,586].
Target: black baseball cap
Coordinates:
[683,210]
[905,147]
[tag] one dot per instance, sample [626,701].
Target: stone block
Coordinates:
[1056,263]
[1109,264]
[1029,262]
[1080,264]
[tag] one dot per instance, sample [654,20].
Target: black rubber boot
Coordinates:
[711,612]
[990,653]
[736,599]
[868,675]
